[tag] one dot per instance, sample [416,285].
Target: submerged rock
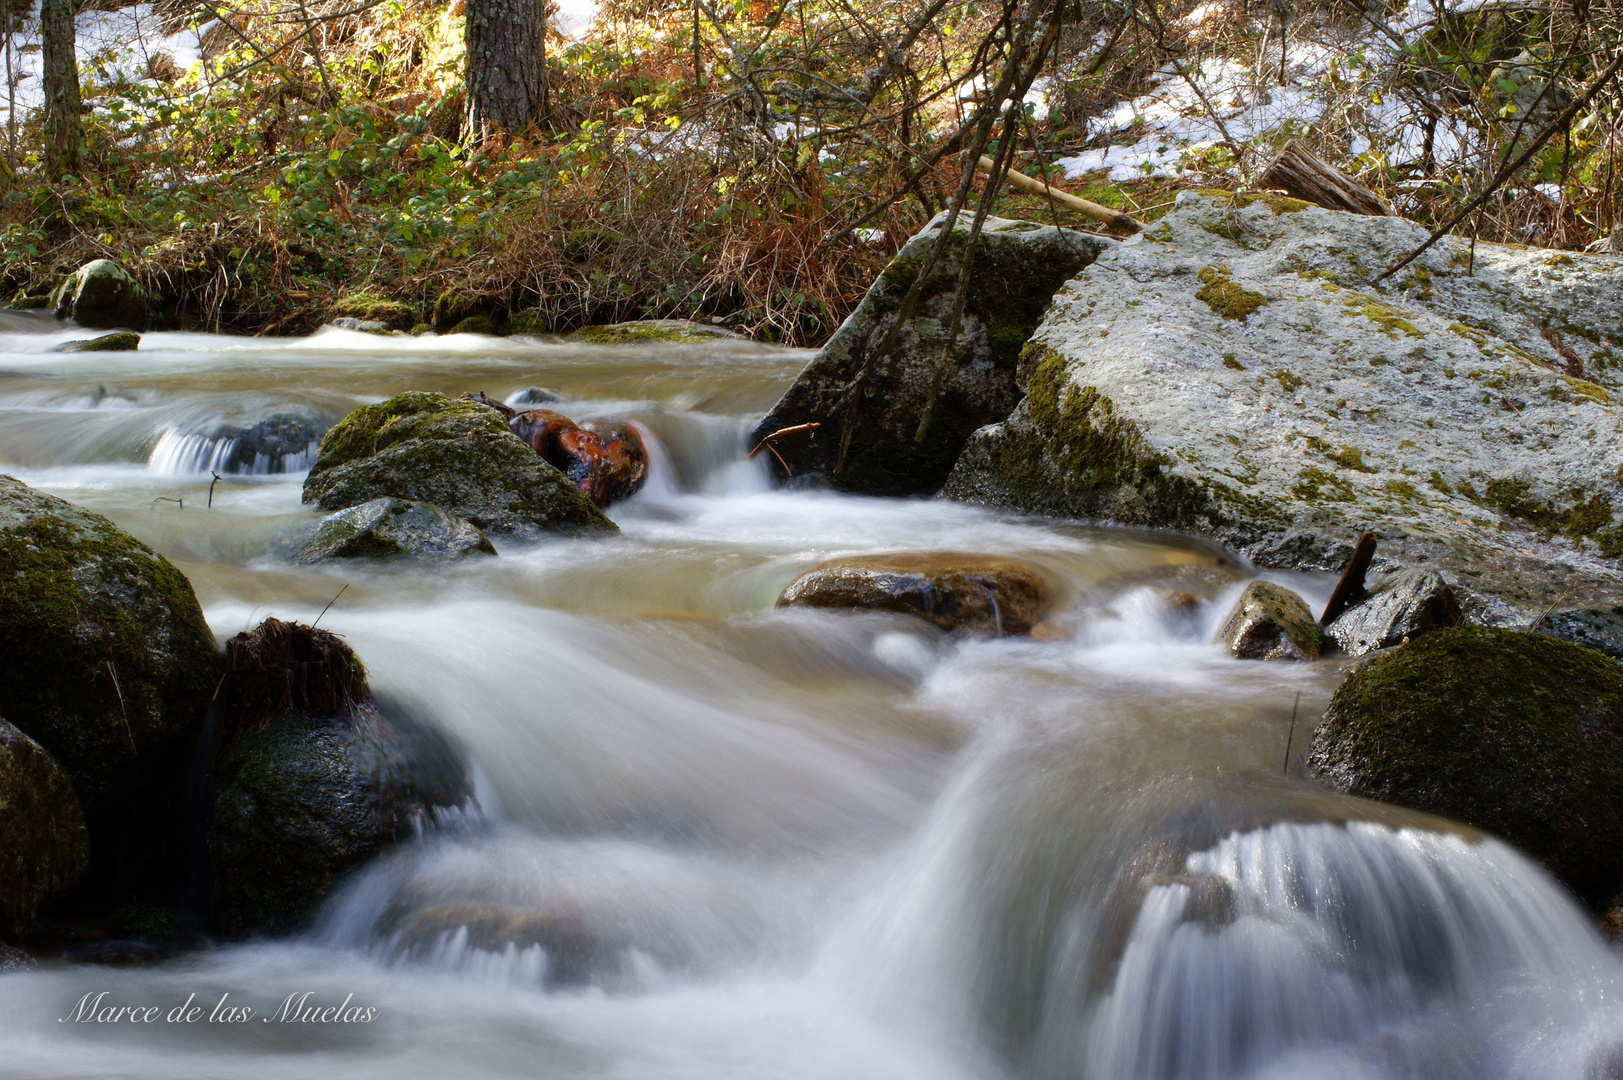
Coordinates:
[44,848]
[122,341]
[1269,622]
[1233,373]
[884,400]
[1404,605]
[14,959]
[311,780]
[103,296]
[389,527]
[1518,734]
[978,593]
[105,659]
[458,455]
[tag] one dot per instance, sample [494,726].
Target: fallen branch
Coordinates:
[766,440]
[1350,589]
[1021,182]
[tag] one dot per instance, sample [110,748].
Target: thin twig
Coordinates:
[330,603]
[1534,625]
[1290,738]
[122,710]
[216,480]
[164,498]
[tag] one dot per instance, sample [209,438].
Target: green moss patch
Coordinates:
[1220,293]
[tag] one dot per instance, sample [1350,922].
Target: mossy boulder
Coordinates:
[1269,622]
[1514,733]
[105,659]
[454,305]
[476,324]
[894,424]
[312,778]
[44,848]
[119,341]
[975,593]
[531,322]
[366,307]
[385,528]
[457,455]
[102,295]
[673,330]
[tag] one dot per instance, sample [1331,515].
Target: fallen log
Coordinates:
[1302,174]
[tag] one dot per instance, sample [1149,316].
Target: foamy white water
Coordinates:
[718,839]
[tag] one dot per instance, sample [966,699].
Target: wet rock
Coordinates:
[507,411]
[535,397]
[389,527]
[372,312]
[1269,622]
[311,780]
[268,445]
[605,459]
[1515,733]
[458,455]
[453,306]
[14,959]
[676,330]
[122,341]
[1017,268]
[105,659]
[44,848]
[977,593]
[1404,605]
[103,296]
[1600,629]
[1232,373]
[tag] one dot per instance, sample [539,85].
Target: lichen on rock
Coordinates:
[1431,408]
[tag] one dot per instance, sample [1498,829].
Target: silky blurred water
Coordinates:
[715,839]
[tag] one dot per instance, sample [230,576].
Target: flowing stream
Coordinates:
[715,839]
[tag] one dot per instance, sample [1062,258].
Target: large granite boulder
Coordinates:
[44,848]
[102,295]
[312,778]
[105,659]
[975,593]
[458,455]
[871,409]
[1518,734]
[1237,372]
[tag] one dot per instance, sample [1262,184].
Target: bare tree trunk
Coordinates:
[505,73]
[63,135]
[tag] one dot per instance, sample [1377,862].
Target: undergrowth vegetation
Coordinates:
[745,163]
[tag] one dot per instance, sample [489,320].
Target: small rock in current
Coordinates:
[1269,622]
[972,592]
[387,527]
[121,341]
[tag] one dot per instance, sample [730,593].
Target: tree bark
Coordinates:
[1299,172]
[64,138]
[506,77]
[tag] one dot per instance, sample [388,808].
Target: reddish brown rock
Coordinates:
[604,458]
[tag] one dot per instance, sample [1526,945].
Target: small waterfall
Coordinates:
[275,446]
[1357,950]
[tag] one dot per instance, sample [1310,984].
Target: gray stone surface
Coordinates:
[884,399]
[1234,371]
[388,527]
[1404,605]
